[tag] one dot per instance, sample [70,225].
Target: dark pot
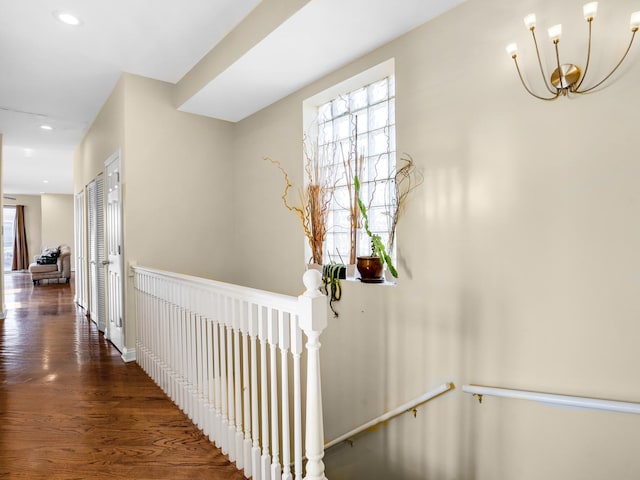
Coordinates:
[370,269]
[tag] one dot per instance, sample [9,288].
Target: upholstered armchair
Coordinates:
[59,270]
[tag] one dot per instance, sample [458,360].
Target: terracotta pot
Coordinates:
[370,269]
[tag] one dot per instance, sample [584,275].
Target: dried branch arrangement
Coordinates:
[407,179]
[313,200]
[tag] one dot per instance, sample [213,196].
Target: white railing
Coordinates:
[213,348]
[409,406]
[554,399]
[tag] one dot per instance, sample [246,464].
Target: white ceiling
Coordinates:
[60,75]
[321,37]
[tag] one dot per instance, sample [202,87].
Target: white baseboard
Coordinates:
[128,354]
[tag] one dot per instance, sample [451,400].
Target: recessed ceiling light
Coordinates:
[45,181]
[68,18]
[46,127]
[28,152]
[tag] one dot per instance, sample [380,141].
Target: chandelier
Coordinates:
[567,78]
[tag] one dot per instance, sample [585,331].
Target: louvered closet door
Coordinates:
[95,206]
[81,259]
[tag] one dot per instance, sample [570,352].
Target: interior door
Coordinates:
[114,262]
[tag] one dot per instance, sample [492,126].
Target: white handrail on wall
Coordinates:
[404,408]
[555,399]
[212,347]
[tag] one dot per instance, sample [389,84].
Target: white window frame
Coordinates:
[378,200]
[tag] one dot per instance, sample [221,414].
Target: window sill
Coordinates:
[387,282]
[355,276]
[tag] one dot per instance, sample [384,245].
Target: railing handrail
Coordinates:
[555,399]
[404,408]
[290,303]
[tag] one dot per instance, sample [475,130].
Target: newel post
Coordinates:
[313,320]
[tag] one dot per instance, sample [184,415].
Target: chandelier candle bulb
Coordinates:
[555,33]
[590,10]
[512,50]
[635,21]
[530,21]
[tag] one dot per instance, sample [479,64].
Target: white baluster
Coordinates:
[283,341]
[255,417]
[182,342]
[189,349]
[216,369]
[210,367]
[224,427]
[275,440]
[203,365]
[175,354]
[313,321]
[195,359]
[262,334]
[296,352]
[200,362]
[237,367]
[230,387]
[246,450]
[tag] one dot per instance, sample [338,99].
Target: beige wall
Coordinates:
[57,221]
[105,136]
[175,181]
[518,257]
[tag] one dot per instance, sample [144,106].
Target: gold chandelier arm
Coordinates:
[560,74]
[544,77]
[556,94]
[633,36]
[586,65]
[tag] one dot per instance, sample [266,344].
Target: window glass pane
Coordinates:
[392,111]
[392,138]
[381,194]
[379,142]
[378,219]
[9,215]
[358,99]
[342,128]
[378,167]
[379,116]
[325,133]
[339,106]
[378,91]
[363,123]
[324,112]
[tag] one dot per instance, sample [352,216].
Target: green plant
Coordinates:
[377,247]
[331,275]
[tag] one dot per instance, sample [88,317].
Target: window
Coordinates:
[9,215]
[356,135]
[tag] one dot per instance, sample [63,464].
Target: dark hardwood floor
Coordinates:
[71,409]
